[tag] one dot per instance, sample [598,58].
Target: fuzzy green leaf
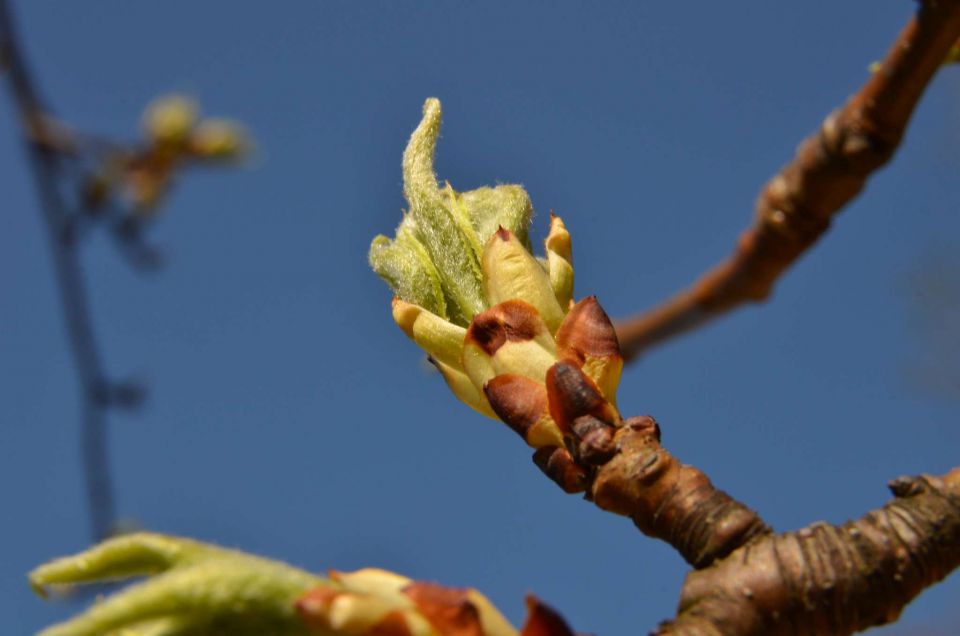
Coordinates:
[405,265]
[506,206]
[437,226]
[194,589]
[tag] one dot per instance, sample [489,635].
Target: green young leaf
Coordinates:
[405,265]
[442,232]
[506,206]
[195,589]
[440,242]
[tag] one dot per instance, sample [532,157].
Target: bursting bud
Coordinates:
[173,123]
[493,318]
[382,603]
[219,140]
[198,588]
[170,119]
[175,138]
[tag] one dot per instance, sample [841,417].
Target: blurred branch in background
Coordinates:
[830,169]
[83,182]
[932,291]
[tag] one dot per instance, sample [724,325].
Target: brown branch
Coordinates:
[827,579]
[625,470]
[672,501]
[830,168]
[747,580]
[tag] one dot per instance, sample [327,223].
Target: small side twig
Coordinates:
[830,168]
[46,165]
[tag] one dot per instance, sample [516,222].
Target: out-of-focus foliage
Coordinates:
[175,136]
[198,589]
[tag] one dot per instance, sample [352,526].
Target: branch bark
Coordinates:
[830,168]
[625,470]
[827,579]
[748,581]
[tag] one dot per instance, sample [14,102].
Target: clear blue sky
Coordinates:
[289,416]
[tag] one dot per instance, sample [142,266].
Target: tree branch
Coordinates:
[624,470]
[748,581]
[830,168]
[827,579]
[46,166]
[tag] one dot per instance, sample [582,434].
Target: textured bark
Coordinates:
[827,579]
[669,500]
[830,168]
[823,579]
[625,470]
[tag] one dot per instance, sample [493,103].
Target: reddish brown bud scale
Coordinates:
[520,402]
[543,620]
[560,466]
[587,330]
[448,609]
[587,424]
[393,624]
[312,607]
[513,320]
[644,424]
[597,444]
[572,394]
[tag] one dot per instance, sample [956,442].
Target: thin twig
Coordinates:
[46,166]
[830,168]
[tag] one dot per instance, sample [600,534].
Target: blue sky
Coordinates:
[288,416]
